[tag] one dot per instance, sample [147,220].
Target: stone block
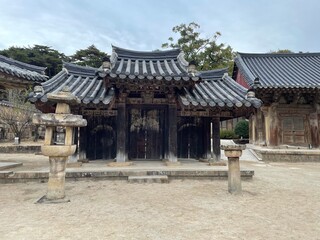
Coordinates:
[148,179]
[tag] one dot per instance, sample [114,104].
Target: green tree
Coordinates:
[242,129]
[91,56]
[206,52]
[39,55]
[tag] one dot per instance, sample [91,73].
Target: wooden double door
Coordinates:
[146,133]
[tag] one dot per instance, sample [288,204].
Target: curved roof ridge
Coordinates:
[20,64]
[278,54]
[224,70]
[244,69]
[215,74]
[156,54]
[78,69]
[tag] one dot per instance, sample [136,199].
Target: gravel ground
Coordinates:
[281,202]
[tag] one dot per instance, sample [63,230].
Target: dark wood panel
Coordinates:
[146,132]
[100,138]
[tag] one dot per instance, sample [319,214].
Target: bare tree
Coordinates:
[15,111]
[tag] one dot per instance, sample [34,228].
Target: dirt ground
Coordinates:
[281,202]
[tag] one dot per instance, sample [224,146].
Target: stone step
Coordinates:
[148,179]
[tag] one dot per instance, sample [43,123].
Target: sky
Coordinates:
[252,26]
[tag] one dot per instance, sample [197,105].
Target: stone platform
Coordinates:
[286,154]
[6,165]
[37,169]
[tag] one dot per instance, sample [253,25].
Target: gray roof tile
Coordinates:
[214,88]
[291,70]
[169,65]
[22,70]
[217,89]
[83,82]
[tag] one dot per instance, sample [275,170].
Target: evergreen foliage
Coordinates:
[38,55]
[242,129]
[227,134]
[91,56]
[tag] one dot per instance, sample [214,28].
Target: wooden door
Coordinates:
[190,138]
[101,138]
[293,130]
[146,133]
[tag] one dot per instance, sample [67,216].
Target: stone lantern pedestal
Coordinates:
[59,141]
[233,153]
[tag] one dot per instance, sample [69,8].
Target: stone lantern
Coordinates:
[233,153]
[59,139]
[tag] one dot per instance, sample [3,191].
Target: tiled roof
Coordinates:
[292,70]
[168,65]
[22,70]
[213,88]
[217,89]
[5,103]
[83,82]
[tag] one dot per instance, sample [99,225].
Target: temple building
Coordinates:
[149,105]
[16,75]
[288,85]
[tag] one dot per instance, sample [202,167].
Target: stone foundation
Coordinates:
[283,155]
[20,149]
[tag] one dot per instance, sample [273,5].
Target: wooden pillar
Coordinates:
[83,144]
[121,133]
[206,138]
[216,152]
[252,129]
[314,130]
[271,125]
[172,133]
[265,111]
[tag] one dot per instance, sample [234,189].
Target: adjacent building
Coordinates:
[288,85]
[16,75]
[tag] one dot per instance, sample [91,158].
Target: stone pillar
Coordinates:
[121,133]
[172,134]
[56,183]
[233,153]
[216,153]
[59,141]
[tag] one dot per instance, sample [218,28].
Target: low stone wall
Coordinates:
[289,155]
[19,149]
[42,176]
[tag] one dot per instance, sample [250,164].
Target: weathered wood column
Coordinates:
[121,133]
[206,138]
[216,152]
[172,133]
[83,144]
[271,124]
[314,130]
